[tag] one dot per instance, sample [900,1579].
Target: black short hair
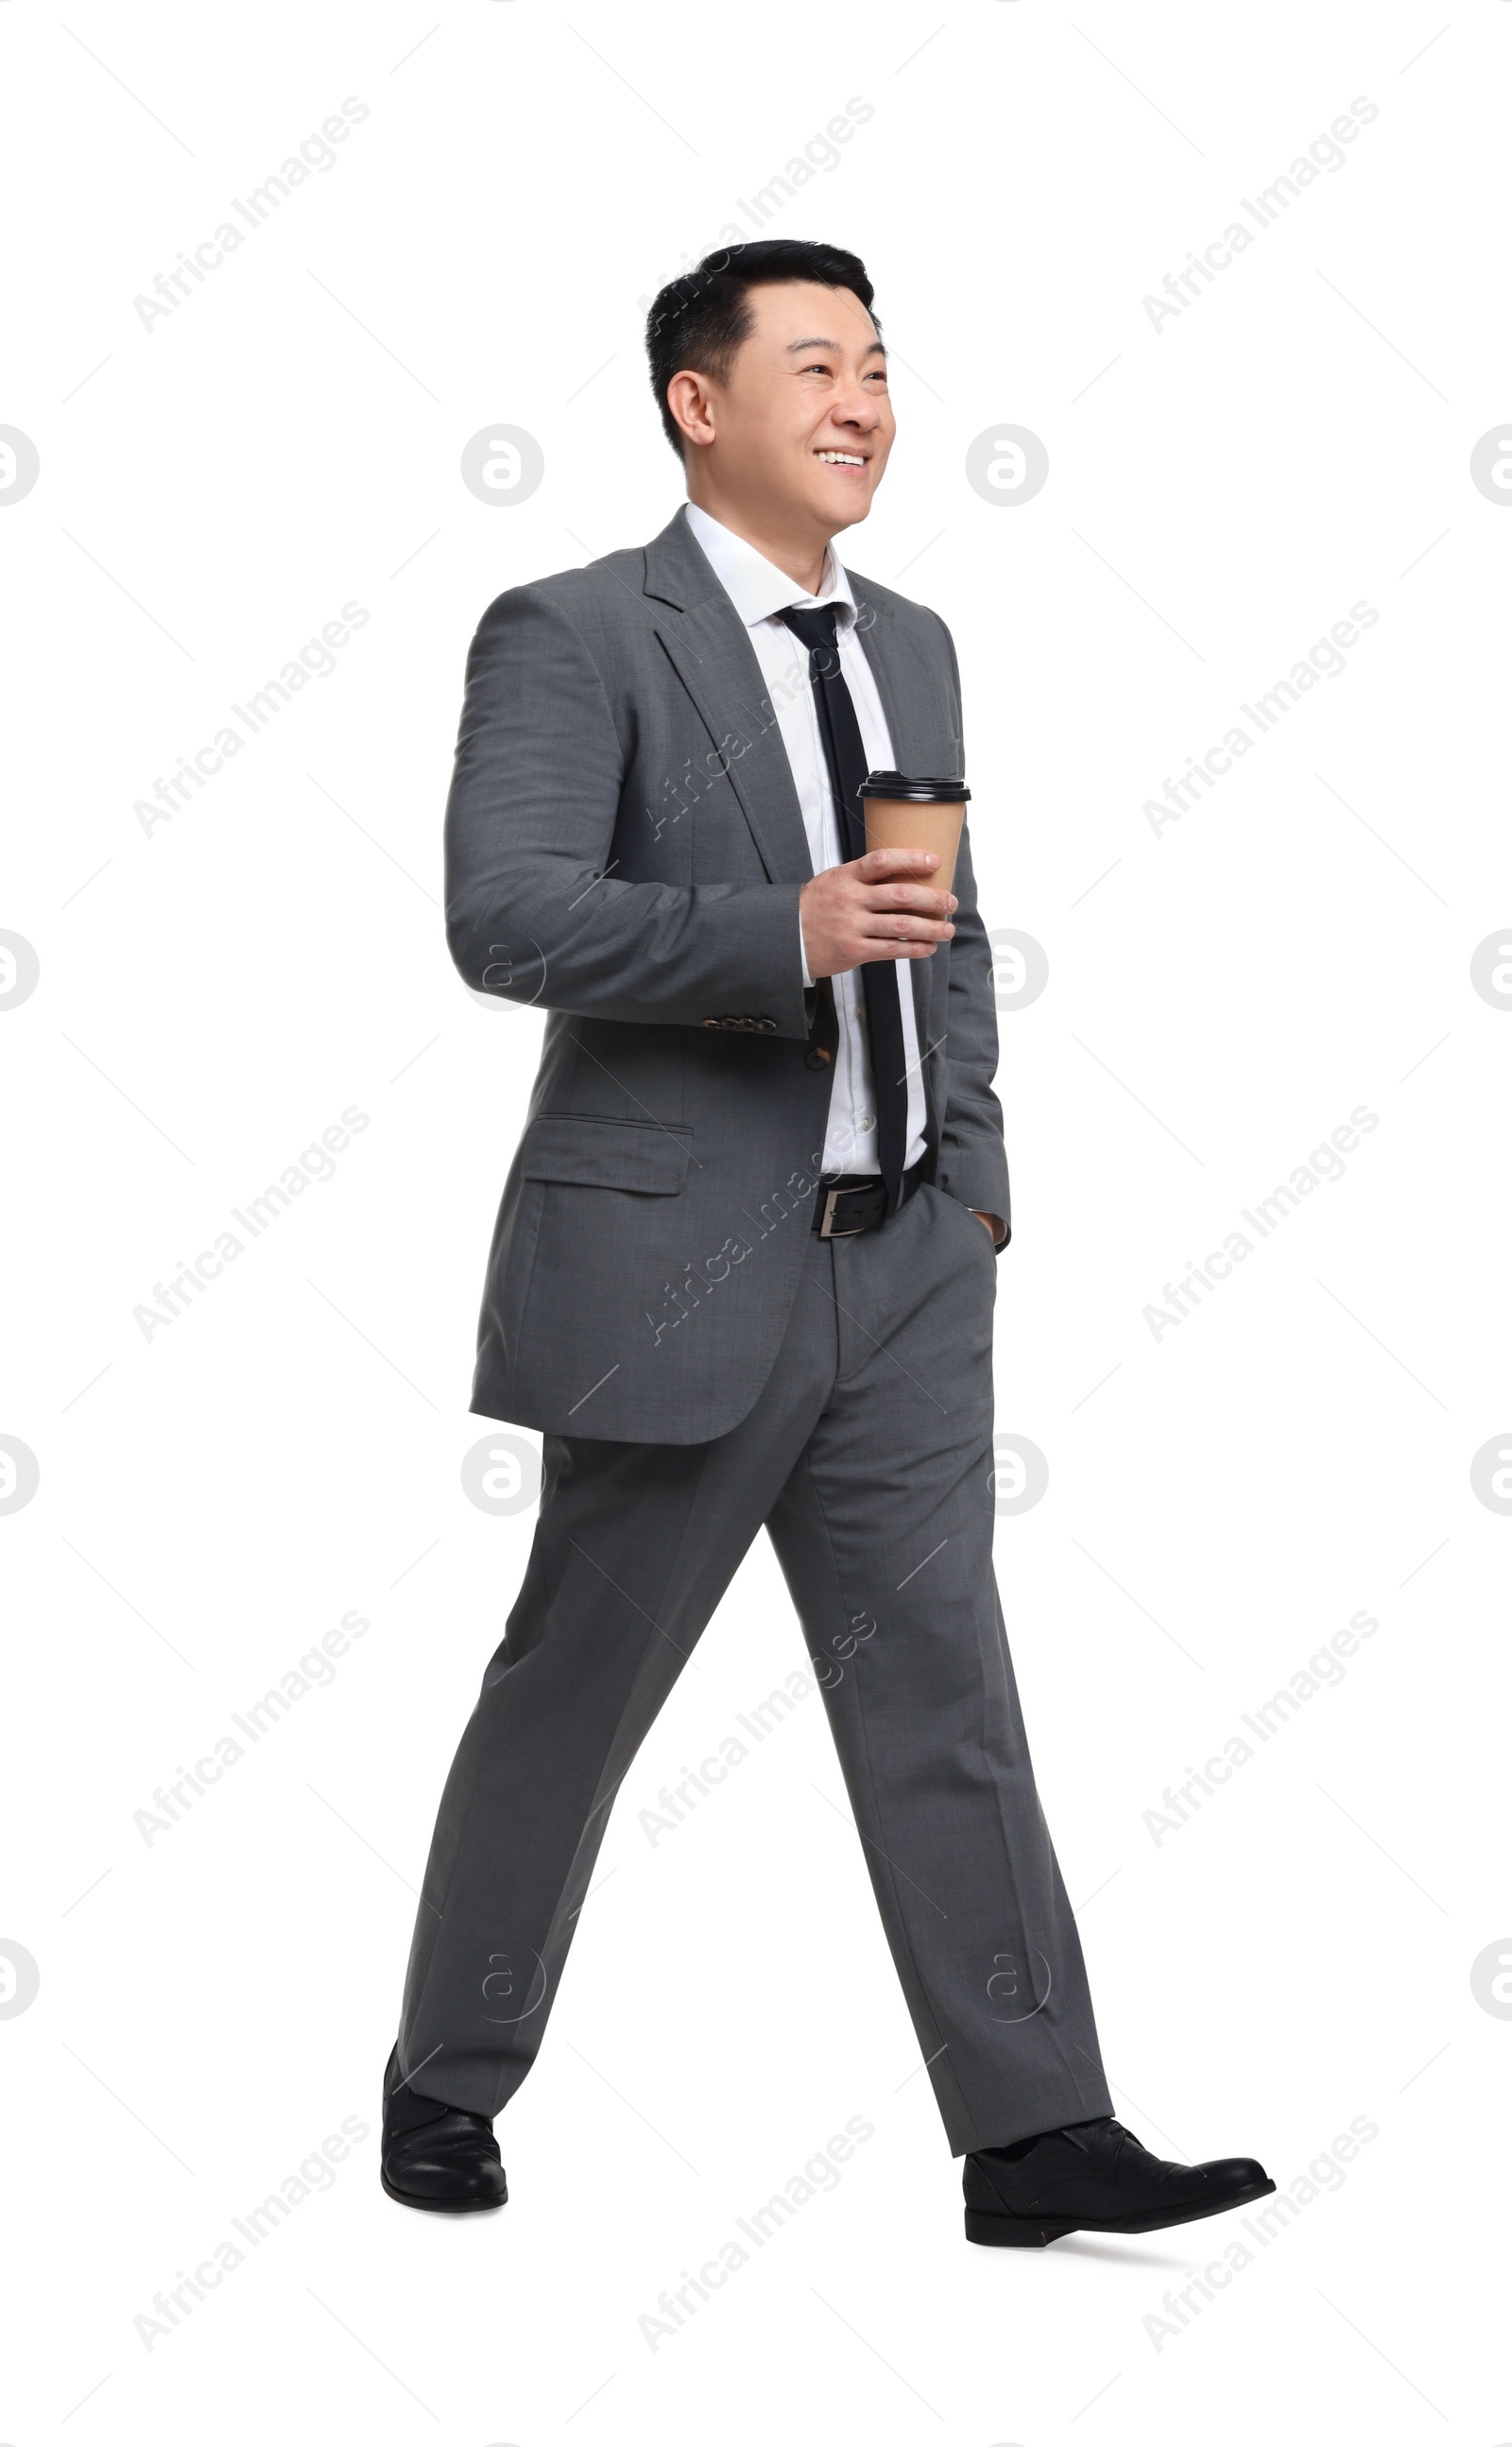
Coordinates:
[698,321]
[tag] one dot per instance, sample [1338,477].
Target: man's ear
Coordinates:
[691,403]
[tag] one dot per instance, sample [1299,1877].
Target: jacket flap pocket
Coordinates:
[604,1154]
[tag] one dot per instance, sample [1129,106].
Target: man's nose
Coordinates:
[858,408]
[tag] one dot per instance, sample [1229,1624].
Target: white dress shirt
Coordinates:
[759,592]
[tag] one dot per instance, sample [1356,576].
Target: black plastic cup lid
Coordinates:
[924,790]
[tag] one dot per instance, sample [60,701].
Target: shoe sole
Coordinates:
[1032,2234]
[443,2209]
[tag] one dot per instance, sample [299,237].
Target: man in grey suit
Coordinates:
[745,1263]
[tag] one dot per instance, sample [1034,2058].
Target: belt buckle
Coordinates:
[826,1225]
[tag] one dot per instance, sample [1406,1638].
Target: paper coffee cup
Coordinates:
[917,812]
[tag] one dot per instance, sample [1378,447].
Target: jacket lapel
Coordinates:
[705,641]
[911,698]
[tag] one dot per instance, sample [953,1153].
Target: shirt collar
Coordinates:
[755,586]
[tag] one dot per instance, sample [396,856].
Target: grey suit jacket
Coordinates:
[625,849]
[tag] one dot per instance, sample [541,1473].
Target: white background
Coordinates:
[1222,994]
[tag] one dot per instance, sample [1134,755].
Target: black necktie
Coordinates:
[881,981]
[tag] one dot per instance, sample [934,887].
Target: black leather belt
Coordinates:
[856,1201]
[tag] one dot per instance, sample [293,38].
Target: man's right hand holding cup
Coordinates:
[874,908]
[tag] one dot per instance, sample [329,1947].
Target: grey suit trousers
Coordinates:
[868,1457]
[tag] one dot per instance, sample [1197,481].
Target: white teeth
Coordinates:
[842,459]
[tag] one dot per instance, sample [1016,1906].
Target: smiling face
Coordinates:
[797,439]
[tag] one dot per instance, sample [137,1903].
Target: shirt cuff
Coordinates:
[803,953]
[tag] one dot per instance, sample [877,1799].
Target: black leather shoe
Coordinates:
[1098,2176]
[435,2156]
